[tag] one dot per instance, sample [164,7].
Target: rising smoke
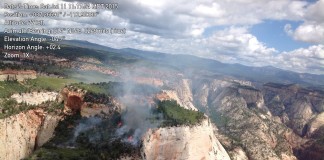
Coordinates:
[136,121]
[138,116]
[85,125]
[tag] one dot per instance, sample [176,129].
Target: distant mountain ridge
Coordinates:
[181,61]
[194,64]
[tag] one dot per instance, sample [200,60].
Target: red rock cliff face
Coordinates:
[73,99]
[74,103]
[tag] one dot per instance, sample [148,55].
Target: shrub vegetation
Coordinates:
[175,115]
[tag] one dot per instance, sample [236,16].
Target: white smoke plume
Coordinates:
[138,116]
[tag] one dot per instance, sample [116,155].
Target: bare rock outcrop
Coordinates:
[315,124]
[73,99]
[148,80]
[181,92]
[20,134]
[204,91]
[19,75]
[35,98]
[89,109]
[24,132]
[47,128]
[296,106]
[184,142]
[77,100]
[247,128]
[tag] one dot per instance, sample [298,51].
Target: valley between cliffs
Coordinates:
[242,121]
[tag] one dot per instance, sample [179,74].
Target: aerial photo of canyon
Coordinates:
[162,80]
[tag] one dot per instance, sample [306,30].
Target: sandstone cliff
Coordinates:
[77,100]
[295,106]
[73,99]
[268,122]
[247,127]
[184,142]
[35,98]
[181,92]
[316,124]
[22,133]
[19,75]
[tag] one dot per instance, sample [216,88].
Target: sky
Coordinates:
[282,33]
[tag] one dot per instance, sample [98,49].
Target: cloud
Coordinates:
[238,46]
[315,12]
[179,27]
[288,29]
[234,45]
[190,19]
[214,10]
[181,18]
[309,59]
[312,30]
